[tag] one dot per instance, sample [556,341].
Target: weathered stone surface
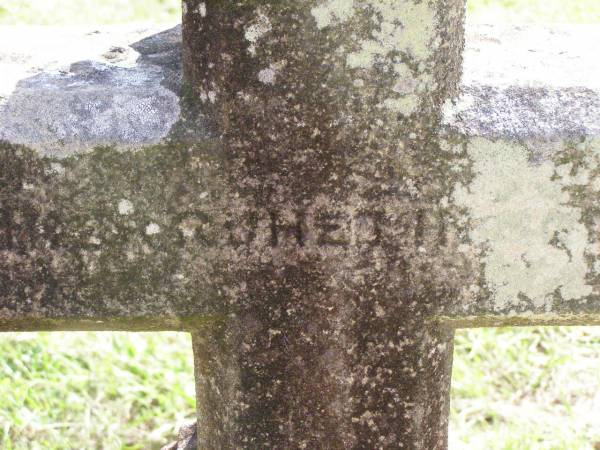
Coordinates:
[524,83]
[529,117]
[187,439]
[328,112]
[62,92]
[320,213]
[101,238]
[109,239]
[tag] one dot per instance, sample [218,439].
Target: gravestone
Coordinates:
[319,201]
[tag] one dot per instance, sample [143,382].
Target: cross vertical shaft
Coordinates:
[326,113]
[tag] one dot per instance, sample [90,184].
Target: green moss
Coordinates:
[73,252]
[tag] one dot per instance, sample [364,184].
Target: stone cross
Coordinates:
[320,202]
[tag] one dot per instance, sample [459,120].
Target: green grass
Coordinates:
[526,389]
[47,12]
[513,389]
[100,391]
[513,11]
[57,12]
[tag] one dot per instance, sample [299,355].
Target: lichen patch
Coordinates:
[202,9]
[267,76]
[125,207]
[257,29]
[152,229]
[533,241]
[403,26]
[333,12]
[404,105]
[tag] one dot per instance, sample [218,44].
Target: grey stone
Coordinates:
[327,113]
[528,82]
[529,117]
[187,439]
[70,105]
[327,204]
[547,89]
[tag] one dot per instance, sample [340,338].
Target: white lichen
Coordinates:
[404,105]
[533,242]
[125,207]
[402,26]
[202,9]
[406,82]
[454,107]
[333,12]
[187,231]
[57,168]
[267,76]
[257,29]
[152,229]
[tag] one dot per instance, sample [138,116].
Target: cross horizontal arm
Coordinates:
[529,138]
[528,122]
[101,237]
[108,239]
[64,91]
